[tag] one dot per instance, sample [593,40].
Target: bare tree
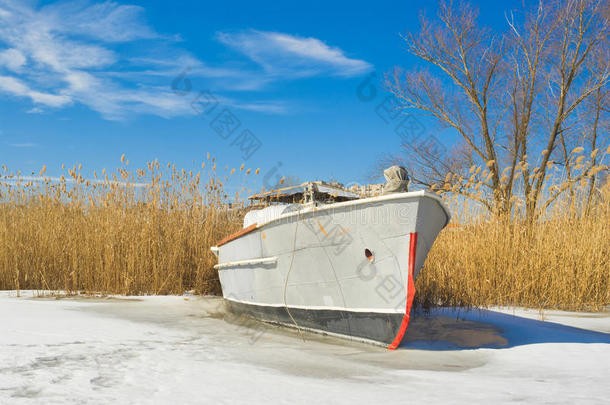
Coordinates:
[600,106]
[516,99]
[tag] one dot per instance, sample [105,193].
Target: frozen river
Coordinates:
[174,349]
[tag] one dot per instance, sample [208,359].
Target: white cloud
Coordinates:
[69,180]
[107,21]
[12,59]
[16,87]
[66,53]
[266,107]
[290,55]
[58,55]
[24,145]
[263,107]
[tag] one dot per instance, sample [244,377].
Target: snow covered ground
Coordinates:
[172,349]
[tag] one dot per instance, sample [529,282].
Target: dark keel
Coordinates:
[378,327]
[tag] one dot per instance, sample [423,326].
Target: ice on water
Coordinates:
[175,349]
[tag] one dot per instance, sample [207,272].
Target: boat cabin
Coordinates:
[288,199]
[284,200]
[313,191]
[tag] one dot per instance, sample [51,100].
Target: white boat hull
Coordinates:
[310,268]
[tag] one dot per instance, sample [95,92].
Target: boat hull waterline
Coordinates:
[345,269]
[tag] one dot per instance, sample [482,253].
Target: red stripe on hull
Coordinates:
[410,293]
[237,234]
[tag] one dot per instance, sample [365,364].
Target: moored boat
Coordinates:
[322,259]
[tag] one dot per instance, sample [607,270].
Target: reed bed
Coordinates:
[142,232]
[149,231]
[559,261]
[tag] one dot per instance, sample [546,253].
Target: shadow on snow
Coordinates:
[455,329]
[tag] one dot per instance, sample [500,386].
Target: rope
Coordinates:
[294,246]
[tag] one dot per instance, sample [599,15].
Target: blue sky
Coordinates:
[85,82]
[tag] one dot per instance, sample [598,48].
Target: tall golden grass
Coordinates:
[142,232]
[149,231]
[559,261]
[562,262]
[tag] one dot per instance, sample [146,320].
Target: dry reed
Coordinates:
[142,232]
[149,232]
[559,261]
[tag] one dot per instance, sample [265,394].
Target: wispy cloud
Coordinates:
[12,59]
[35,110]
[57,55]
[108,20]
[68,53]
[293,56]
[16,87]
[7,180]
[263,107]
[24,145]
